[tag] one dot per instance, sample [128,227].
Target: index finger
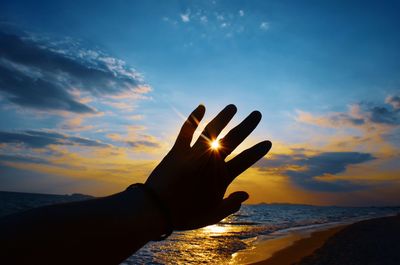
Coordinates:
[214,127]
[189,127]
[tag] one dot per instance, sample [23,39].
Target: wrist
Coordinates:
[155,210]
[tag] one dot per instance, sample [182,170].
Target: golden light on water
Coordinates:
[215,145]
[215,229]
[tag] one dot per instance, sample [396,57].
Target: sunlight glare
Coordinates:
[215,229]
[215,145]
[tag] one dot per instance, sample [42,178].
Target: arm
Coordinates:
[190,182]
[98,231]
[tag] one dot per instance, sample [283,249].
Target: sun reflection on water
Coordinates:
[213,244]
[216,229]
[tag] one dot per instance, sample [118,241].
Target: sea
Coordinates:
[218,244]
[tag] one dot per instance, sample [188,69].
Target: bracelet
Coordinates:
[160,204]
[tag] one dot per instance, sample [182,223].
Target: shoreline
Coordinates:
[372,241]
[283,246]
[301,248]
[324,244]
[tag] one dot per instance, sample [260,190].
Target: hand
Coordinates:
[192,180]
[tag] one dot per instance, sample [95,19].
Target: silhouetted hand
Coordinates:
[192,180]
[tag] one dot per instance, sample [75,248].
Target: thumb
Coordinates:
[231,204]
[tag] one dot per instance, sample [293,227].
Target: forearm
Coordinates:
[104,231]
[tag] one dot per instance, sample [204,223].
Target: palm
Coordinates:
[192,180]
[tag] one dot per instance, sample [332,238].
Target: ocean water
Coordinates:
[215,244]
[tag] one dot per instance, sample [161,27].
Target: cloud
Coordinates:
[37,93]
[22,159]
[220,17]
[331,120]
[30,180]
[264,26]
[214,22]
[185,17]
[384,115]
[143,143]
[40,139]
[368,115]
[48,75]
[313,172]
[394,101]
[204,19]
[75,124]
[365,126]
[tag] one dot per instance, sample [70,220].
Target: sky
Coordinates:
[92,94]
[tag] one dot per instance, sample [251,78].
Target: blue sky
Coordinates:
[325,75]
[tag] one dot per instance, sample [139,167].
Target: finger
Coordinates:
[246,158]
[240,132]
[215,126]
[186,133]
[231,205]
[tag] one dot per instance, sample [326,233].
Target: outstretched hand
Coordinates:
[188,185]
[192,180]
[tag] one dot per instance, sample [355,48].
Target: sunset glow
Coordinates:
[89,100]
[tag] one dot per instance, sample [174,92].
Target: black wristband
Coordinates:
[160,204]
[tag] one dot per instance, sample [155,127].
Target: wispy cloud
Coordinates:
[137,140]
[22,159]
[45,75]
[185,17]
[75,123]
[314,172]
[139,144]
[345,152]
[359,115]
[394,101]
[212,20]
[40,139]
[84,91]
[264,26]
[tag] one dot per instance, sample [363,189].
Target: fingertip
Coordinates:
[239,196]
[199,112]
[266,145]
[244,196]
[269,144]
[231,107]
[262,148]
[201,107]
[257,114]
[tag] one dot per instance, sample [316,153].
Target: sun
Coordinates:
[215,145]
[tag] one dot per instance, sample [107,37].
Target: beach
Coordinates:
[373,241]
[257,234]
[287,246]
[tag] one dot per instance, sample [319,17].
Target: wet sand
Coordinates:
[300,248]
[369,242]
[374,242]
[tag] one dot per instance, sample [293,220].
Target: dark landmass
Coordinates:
[290,204]
[314,205]
[369,242]
[282,204]
[12,202]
